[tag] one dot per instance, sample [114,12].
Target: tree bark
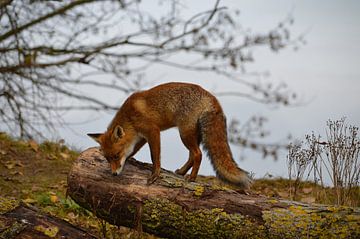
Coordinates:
[174,208]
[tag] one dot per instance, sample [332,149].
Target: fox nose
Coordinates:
[114,173]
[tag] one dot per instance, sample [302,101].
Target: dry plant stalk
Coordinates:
[337,158]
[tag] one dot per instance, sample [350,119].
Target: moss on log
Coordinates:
[174,208]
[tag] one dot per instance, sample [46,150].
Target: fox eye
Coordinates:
[112,158]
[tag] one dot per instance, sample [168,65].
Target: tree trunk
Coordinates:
[174,208]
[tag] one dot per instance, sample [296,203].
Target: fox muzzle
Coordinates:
[117,167]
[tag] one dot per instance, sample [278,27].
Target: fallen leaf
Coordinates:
[266,191]
[29,200]
[16,173]
[64,155]
[63,182]
[55,186]
[35,188]
[50,231]
[308,199]
[283,194]
[72,215]
[10,164]
[2,152]
[54,198]
[23,143]
[39,170]
[18,163]
[51,157]
[307,190]
[33,145]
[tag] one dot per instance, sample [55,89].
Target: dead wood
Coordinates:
[28,222]
[174,208]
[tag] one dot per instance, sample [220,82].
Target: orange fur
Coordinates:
[198,116]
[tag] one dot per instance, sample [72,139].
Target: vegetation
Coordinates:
[336,159]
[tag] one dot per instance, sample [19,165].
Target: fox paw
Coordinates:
[179,172]
[188,178]
[152,179]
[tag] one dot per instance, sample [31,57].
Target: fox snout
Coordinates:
[117,167]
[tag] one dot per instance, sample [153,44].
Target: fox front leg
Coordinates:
[153,139]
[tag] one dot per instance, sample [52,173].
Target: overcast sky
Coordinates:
[325,72]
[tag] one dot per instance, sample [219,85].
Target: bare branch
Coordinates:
[59,11]
[53,52]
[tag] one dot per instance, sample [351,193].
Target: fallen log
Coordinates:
[174,208]
[26,221]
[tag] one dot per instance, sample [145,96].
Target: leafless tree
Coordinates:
[55,54]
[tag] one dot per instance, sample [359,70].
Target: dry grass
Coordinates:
[337,159]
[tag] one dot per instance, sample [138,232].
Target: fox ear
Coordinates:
[117,133]
[95,137]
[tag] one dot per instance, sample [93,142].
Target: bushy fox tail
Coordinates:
[214,138]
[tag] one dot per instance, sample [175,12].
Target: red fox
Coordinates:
[199,118]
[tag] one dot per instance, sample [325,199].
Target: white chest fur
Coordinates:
[130,148]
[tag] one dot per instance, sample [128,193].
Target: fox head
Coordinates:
[112,144]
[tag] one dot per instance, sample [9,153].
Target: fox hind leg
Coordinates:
[191,141]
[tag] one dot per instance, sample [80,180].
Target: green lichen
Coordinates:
[175,181]
[165,218]
[170,180]
[7,204]
[13,230]
[272,201]
[199,190]
[301,222]
[173,221]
